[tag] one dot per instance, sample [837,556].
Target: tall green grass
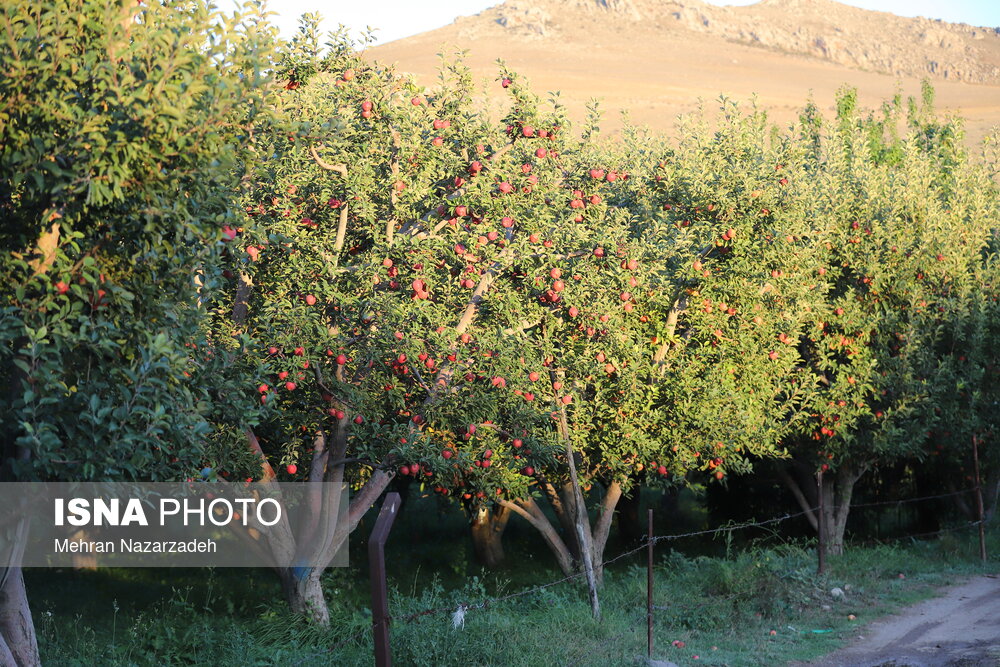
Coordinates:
[720,608]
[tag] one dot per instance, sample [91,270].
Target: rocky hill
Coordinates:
[659,58]
[868,40]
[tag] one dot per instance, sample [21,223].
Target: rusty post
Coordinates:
[649,586]
[979,498]
[380,595]
[821,524]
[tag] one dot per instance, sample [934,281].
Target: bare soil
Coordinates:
[961,628]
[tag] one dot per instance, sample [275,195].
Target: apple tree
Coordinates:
[898,235]
[120,124]
[346,274]
[629,328]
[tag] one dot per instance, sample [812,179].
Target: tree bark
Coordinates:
[602,529]
[577,531]
[800,492]
[838,489]
[304,593]
[528,509]
[6,657]
[17,630]
[838,493]
[323,534]
[487,533]
[566,512]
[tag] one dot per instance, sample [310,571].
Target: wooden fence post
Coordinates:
[380,595]
[979,498]
[821,524]
[649,586]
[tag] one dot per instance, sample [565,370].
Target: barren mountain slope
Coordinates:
[657,59]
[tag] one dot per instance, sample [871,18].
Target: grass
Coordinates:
[723,608]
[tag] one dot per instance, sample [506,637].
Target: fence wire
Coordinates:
[458,612]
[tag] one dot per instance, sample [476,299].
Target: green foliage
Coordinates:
[120,125]
[497,290]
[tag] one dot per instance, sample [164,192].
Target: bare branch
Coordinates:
[254,444]
[241,304]
[339,168]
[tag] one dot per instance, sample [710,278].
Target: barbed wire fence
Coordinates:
[642,614]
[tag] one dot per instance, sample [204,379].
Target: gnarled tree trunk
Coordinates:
[838,489]
[317,540]
[487,526]
[18,644]
[565,545]
[304,593]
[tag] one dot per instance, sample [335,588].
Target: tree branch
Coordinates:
[549,534]
[339,168]
[796,490]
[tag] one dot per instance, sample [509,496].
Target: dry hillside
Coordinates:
[657,59]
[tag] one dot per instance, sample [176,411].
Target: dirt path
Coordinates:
[959,629]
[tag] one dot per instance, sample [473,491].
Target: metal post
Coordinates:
[979,498]
[821,524]
[649,586]
[380,595]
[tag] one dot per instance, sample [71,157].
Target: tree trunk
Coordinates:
[488,525]
[804,491]
[6,657]
[528,508]
[602,528]
[838,489]
[837,494]
[326,531]
[304,593]
[566,512]
[581,529]
[18,644]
